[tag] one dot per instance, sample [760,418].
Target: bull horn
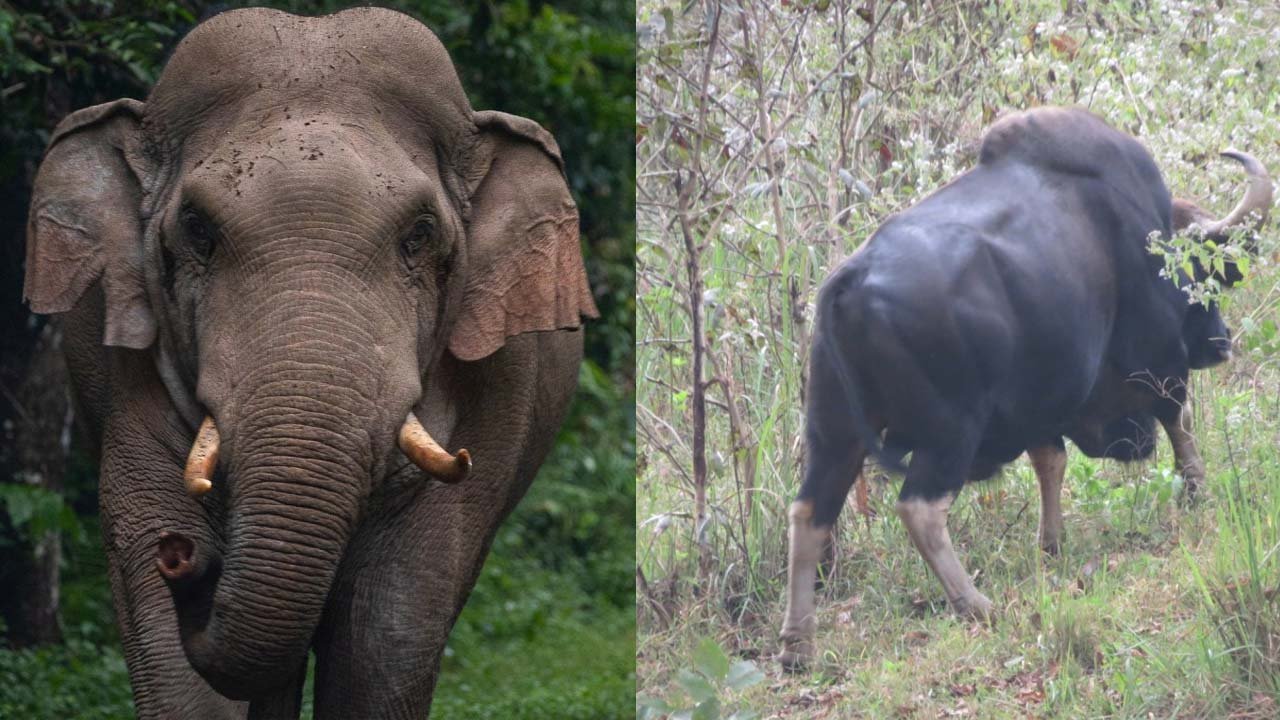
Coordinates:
[203,459]
[1257,198]
[427,454]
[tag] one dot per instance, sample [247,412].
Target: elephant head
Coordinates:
[301,218]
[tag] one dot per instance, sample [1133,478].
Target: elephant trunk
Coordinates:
[297,492]
[299,443]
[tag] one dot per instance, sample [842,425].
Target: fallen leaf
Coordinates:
[962,689]
[1066,45]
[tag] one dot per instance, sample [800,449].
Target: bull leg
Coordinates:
[862,498]
[1050,463]
[933,480]
[806,541]
[862,505]
[926,522]
[1186,456]
[835,457]
[813,516]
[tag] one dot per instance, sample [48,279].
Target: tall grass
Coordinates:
[1152,608]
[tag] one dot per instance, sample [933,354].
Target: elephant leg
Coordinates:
[284,704]
[412,564]
[379,646]
[141,497]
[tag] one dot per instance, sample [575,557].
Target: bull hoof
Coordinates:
[796,654]
[1190,496]
[977,607]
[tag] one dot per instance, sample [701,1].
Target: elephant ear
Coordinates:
[524,262]
[84,222]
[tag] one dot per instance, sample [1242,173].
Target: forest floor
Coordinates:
[1150,610]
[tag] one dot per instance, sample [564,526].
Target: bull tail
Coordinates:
[832,324]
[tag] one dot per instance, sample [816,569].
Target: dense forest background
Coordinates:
[774,138]
[549,629]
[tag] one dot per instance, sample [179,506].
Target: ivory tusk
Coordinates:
[203,460]
[427,454]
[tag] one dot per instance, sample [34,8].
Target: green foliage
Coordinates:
[705,688]
[33,511]
[534,642]
[58,56]
[1190,254]
[86,676]
[1239,584]
[75,680]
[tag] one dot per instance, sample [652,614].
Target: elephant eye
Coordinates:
[195,227]
[422,232]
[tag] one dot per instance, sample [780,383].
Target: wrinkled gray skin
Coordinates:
[306,232]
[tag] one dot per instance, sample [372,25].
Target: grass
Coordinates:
[1150,611]
[570,658]
[543,635]
[1153,609]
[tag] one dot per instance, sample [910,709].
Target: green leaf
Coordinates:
[744,674]
[707,710]
[697,687]
[651,708]
[19,504]
[710,660]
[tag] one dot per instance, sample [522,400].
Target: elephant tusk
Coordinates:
[203,459]
[427,454]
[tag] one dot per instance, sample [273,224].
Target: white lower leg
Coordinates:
[806,546]
[1050,463]
[1185,454]
[926,522]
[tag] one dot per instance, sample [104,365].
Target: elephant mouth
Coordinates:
[192,573]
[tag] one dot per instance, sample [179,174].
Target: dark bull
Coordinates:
[1016,306]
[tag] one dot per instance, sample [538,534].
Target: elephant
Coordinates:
[288,281]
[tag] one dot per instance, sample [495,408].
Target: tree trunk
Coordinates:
[40,443]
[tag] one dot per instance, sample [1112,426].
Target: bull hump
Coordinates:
[1061,139]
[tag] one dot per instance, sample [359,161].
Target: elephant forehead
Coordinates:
[375,59]
[362,159]
[315,181]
